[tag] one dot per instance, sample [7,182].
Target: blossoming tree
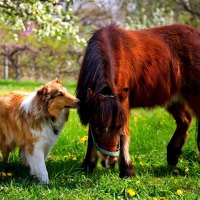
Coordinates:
[48,18]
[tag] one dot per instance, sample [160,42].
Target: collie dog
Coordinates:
[33,121]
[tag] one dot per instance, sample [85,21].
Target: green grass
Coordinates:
[150,132]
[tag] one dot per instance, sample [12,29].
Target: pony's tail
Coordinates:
[198,135]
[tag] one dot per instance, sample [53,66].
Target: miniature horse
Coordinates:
[125,69]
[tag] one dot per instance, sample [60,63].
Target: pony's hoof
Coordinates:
[172,160]
[173,155]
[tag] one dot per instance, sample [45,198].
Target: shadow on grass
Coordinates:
[62,173]
[68,173]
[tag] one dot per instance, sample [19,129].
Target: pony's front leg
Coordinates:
[91,157]
[125,164]
[183,120]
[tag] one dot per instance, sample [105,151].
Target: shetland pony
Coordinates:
[125,69]
[33,121]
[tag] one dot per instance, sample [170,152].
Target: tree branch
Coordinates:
[188,8]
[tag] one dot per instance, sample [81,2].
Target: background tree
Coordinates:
[48,18]
[46,38]
[40,30]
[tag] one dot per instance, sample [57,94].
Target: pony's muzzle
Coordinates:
[109,162]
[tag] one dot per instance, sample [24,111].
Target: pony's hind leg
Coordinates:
[193,102]
[183,119]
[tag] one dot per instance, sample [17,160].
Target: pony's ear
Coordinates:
[56,80]
[123,94]
[42,91]
[89,93]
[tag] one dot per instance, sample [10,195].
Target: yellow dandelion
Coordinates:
[9,174]
[154,198]
[179,192]
[186,170]
[74,158]
[83,139]
[3,174]
[131,192]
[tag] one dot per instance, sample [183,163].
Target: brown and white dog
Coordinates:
[33,121]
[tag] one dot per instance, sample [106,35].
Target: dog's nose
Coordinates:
[78,102]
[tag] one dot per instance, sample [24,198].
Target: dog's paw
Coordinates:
[43,178]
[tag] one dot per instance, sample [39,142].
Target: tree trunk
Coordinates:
[5,62]
[17,68]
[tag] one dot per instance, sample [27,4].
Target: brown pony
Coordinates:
[125,69]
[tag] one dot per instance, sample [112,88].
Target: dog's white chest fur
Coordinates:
[50,131]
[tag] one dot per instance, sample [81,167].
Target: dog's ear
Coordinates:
[56,80]
[42,91]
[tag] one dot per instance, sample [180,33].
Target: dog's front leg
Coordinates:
[37,164]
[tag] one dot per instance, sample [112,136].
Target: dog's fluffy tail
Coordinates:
[198,135]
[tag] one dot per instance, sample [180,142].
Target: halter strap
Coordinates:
[108,96]
[108,153]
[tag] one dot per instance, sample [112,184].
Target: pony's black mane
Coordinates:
[93,70]
[97,74]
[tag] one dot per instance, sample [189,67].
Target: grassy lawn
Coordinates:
[150,132]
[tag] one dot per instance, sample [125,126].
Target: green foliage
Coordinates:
[150,132]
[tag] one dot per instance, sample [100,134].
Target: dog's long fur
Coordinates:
[33,121]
